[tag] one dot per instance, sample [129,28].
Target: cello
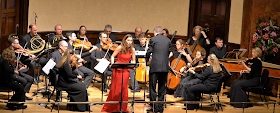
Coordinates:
[142,72]
[174,80]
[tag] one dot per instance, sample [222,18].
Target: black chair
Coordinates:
[53,82]
[217,93]
[262,87]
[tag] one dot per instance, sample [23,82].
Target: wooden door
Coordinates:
[13,13]
[215,14]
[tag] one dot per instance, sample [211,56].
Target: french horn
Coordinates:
[57,37]
[36,44]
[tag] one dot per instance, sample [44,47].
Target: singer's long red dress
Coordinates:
[115,91]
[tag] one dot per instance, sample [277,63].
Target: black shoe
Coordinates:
[21,106]
[137,90]
[11,106]
[105,89]
[28,98]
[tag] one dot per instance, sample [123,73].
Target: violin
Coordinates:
[75,61]
[80,44]
[110,45]
[25,52]
[198,68]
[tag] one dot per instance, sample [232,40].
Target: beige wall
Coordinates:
[123,15]
[235,23]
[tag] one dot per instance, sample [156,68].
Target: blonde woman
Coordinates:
[209,79]
[236,93]
[70,83]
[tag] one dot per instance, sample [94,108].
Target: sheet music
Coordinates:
[102,65]
[142,53]
[50,64]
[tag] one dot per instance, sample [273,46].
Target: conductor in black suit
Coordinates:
[159,46]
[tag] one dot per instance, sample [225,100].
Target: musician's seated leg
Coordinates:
[134,82]
[87,75]
[25,80]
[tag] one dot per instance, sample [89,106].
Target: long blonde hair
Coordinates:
[124,44]
[65,57]
[216,65]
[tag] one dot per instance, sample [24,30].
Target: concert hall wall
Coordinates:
[123,15]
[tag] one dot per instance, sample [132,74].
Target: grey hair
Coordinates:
[158,29]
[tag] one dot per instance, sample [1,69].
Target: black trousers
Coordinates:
[25,79]
[18,88]
[86,73]
[161,78]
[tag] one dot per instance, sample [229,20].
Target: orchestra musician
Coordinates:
[199,35]
[159,46]
[138,30]
[165,32]
[100,53]
[57,31]
[188,80]
[82,36]
[209,78]
[23,78]
[82,33]
[108,31]
[219,50]
[25,40]
[85,72]
[236,93]
[138,47]
[125,54]
[7,71]
[69,82]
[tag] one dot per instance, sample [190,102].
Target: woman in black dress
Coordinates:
[199,35]
[6,80]
[188,80]
[236,92]
[209,78]
[70,83]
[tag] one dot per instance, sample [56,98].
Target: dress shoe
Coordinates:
[28,98]
[137,90]
[21,106]
[11,106]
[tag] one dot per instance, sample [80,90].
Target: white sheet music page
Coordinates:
[50,64]
[102,65]
[143,53]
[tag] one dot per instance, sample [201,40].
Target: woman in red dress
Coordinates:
[125,54]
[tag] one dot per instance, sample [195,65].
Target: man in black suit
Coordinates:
[219,50]
[58,31]
[108,31]
[159,46]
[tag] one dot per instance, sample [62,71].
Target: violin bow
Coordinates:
[20,54]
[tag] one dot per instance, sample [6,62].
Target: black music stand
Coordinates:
[123,66]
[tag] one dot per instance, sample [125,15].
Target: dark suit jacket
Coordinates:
[159,46]
[111,36]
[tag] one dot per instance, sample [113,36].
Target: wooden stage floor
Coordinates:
[95,96]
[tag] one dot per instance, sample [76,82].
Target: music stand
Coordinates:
[123,66]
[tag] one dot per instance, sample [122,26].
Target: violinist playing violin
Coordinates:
[209,78]
[236,92]
[100,53]
[85,72]
[20,76]
[188,80]
[6,79]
